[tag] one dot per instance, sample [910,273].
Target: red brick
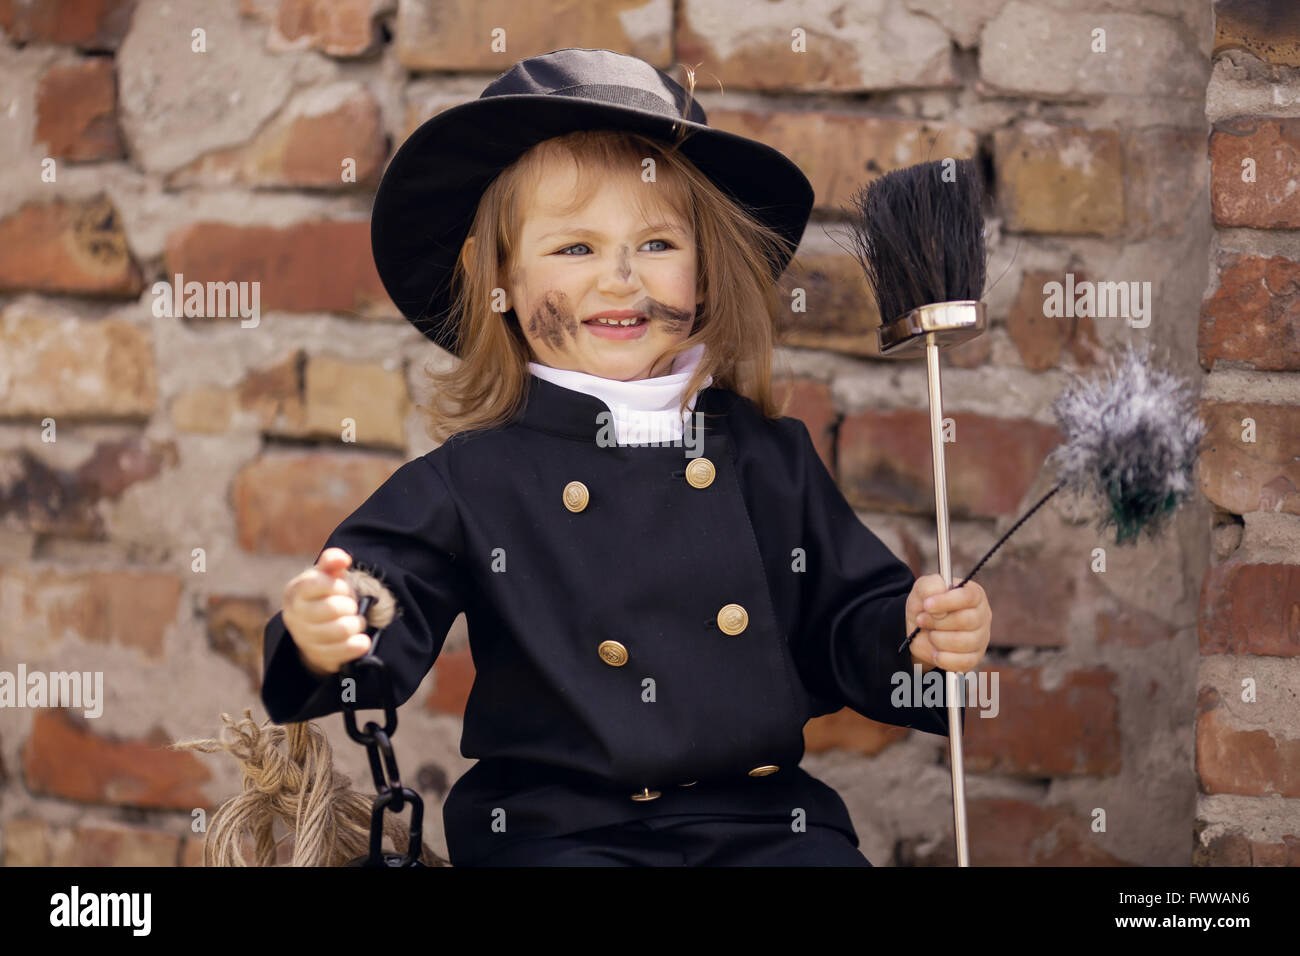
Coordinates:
[1072,729]
[26,839]
[192,850]
[1030,617]
[318,266]
[1251,609]
[289,504]
[970,354]
[275,394]
[35,497]
[117,846]
[1060,179]
[1132,627]
[344,28]
[1236,849]
[750,46]
[1041,339]
[750,67]
[115,466]
[453,676]
[272,396]
[1006,832]
[846,729]
[88,24]
[457,34]
[373,396]
[235,630]
[1268,202]
[1286,853]
[839,312]
[59,246]
[65,758]
[1254,315]
[842,152]
[1270,31]
[1254,762]
[1228,849]
[810,402]
[76,111]
[51,501]
[304,147]
[884,462]
[1240,476]
[70,370]
[122,608]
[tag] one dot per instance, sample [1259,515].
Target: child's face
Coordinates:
[604,257]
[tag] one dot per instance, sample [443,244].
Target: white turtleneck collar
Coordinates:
[644,411]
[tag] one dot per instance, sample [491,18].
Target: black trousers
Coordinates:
[688,840]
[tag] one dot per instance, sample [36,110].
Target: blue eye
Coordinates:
[666,243]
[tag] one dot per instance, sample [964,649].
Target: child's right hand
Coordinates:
[320,613]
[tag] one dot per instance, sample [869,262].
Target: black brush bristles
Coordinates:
[918,233]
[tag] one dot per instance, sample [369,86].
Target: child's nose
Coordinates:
[619,269]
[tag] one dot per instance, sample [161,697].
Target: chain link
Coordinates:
[390,795]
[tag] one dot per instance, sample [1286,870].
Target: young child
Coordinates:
[661,580]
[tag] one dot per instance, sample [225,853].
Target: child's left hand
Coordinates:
[955,629]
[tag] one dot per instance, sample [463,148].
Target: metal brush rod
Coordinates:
[952,681]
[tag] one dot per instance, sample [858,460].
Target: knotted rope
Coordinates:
[300,787]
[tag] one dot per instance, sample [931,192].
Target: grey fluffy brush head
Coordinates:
[1132,437]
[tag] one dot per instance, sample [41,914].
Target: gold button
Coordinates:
[575,496]
[764,770]
[645,795]
[700,472]
[691,784]
[612,652]
[733,619]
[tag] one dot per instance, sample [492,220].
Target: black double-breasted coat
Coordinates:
[640,623]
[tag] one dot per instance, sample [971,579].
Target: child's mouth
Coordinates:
[614,329]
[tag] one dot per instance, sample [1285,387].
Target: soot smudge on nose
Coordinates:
[552,318]
[624,270]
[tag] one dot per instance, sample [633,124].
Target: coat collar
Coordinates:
[565,411]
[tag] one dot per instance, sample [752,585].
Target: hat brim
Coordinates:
[430,191]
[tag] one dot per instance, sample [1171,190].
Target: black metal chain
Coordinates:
[378,741]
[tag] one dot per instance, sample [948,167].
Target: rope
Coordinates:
[300,788]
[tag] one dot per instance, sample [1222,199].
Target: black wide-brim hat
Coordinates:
[430,192]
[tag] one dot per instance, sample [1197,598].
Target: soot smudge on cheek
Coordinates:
[552,318]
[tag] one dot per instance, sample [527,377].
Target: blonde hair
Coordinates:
[737,321]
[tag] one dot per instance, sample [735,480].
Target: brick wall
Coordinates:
[1248,684]
[163,476]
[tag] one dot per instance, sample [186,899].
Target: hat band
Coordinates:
[624,96]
